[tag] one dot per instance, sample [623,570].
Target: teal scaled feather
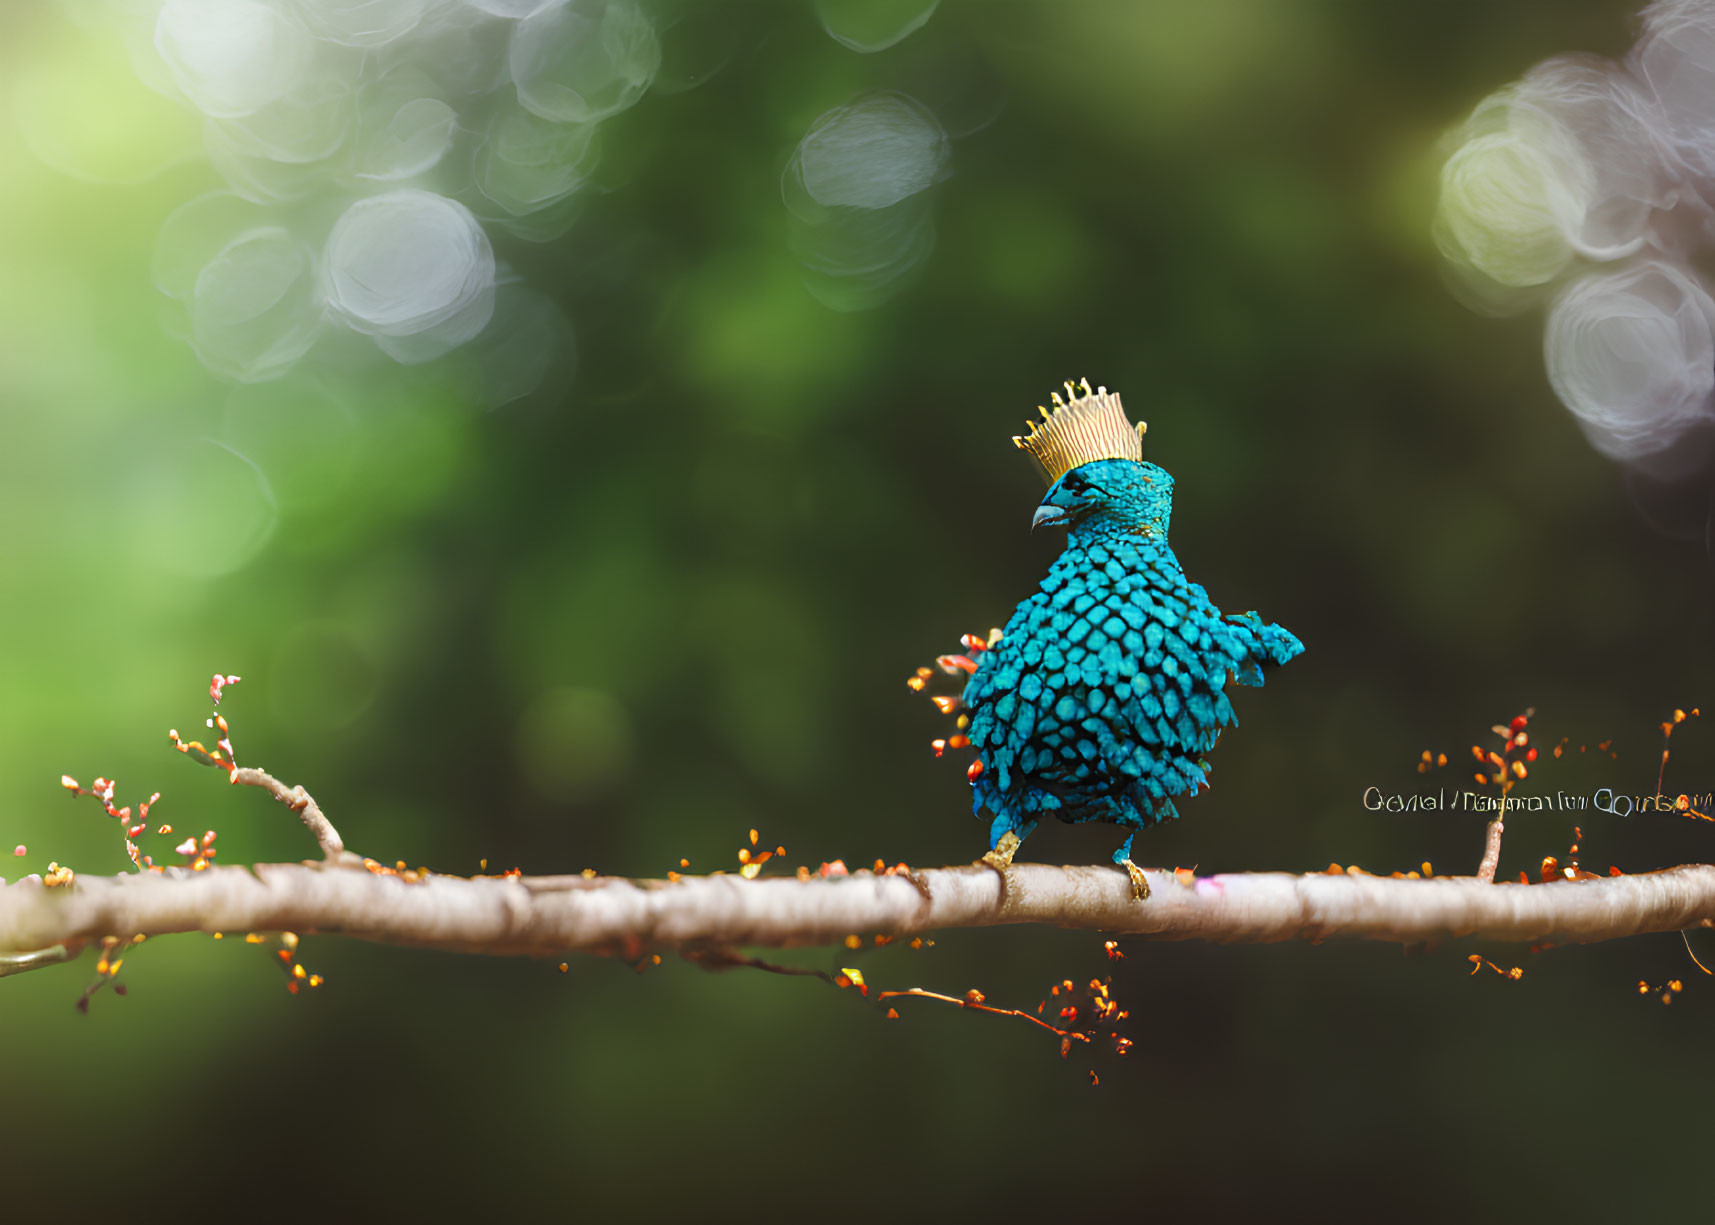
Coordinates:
[1109,683]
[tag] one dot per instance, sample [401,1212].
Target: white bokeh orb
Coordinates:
[1631,352]
[232,57]
[256,308]
[579,61]
[409,262]
[872,152]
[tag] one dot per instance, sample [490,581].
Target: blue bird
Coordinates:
[1108,685]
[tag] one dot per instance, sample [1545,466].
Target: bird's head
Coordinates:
[1109,497]
[1092,456]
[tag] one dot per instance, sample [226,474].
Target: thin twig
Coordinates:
[1491,852]
[300,802]
[726,959]
[1686,936]
[36,959]
[974,1000]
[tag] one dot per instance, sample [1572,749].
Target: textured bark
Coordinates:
[554,915]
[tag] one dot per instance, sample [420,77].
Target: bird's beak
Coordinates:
[1047,515]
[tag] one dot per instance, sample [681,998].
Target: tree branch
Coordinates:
[553,915]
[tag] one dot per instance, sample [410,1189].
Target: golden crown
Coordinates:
[1084,427]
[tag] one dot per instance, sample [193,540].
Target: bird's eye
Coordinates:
[1076,484]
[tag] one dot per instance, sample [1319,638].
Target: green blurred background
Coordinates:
[674,595]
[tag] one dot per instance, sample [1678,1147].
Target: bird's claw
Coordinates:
[1139,882]
[1000,859]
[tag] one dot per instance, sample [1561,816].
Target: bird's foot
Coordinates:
[1139,882]
[1000,859]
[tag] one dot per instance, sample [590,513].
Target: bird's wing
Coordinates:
[1263,645]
